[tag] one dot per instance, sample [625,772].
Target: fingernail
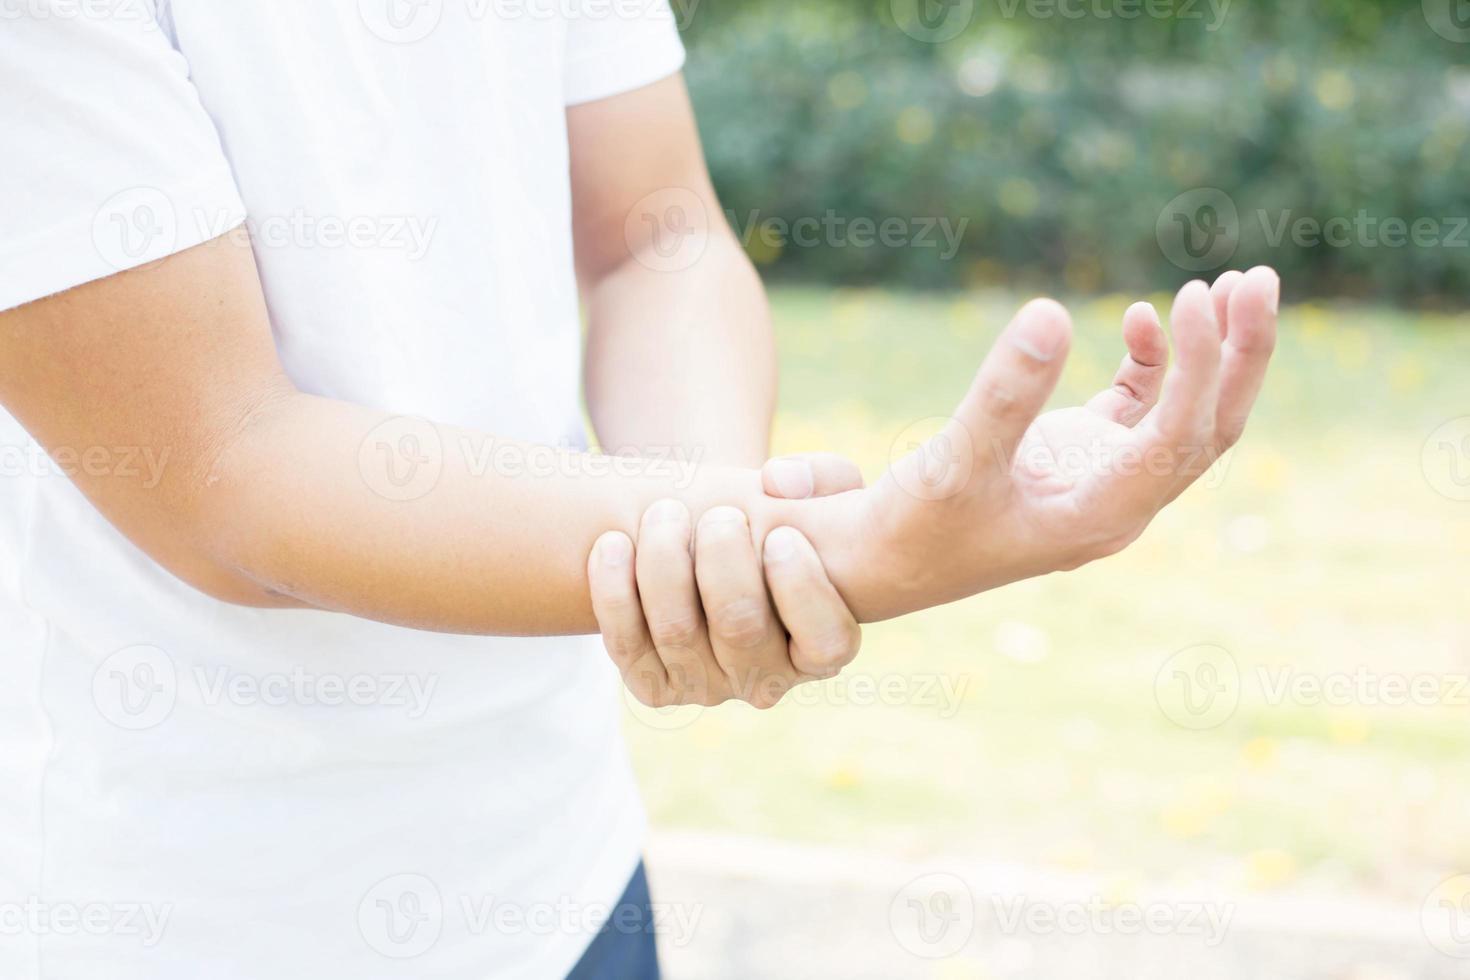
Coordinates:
[614,550]
[665,511]
[723,515]
[780,544]
[1035,336]
[792,477]
[1276,294]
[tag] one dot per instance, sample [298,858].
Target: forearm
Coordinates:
[682,362]
[492,537]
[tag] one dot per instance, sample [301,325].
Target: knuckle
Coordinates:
[680,631]
[620,647]
[742,624]
[999,400]
[834,649]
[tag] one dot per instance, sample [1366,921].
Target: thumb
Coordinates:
[1016,379]
[805,475]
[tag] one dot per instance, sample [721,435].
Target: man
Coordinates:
[291,308]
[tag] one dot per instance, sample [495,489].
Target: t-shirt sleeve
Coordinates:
[615,46]
[109,159]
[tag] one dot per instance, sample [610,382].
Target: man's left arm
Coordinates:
[680,356]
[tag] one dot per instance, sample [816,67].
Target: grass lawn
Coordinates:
[1033,723]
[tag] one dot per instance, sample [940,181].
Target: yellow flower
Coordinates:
[1260,752]
[1270,868]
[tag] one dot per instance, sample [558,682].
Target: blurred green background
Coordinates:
[1100,158]
[1063,130]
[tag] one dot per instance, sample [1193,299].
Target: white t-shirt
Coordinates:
[190,789]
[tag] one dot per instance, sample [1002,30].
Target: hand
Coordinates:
[692,622]
[1000,494]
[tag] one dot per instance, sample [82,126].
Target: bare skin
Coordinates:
[269,498]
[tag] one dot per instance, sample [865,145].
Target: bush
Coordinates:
[1056,145]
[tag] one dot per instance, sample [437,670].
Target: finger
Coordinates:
[1174,443]
[1186,412]
[1220,294]
[620,618]
[1010,389]
[1247,352]
[1136,385]
[670,600]
[810,475]
[824,635]
[749,644]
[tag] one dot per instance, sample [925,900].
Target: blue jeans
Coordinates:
[624,948]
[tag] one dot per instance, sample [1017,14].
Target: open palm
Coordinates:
[1004,493]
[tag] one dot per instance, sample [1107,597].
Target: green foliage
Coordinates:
[1061,140]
